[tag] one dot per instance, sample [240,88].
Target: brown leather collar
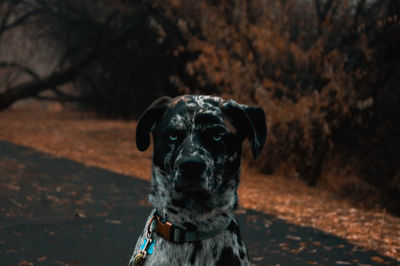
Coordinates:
[179,235]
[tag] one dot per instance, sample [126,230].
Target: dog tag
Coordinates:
[139,260]
[145,249]
[150,248]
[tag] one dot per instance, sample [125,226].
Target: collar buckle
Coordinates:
[164,229]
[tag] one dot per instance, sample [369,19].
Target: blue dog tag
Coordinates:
[150,249]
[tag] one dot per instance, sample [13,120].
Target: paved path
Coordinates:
[54,211]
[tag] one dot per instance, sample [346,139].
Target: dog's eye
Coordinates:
[217,138]
[173,137]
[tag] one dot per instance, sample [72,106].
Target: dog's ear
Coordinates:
[148,119]
[250,123]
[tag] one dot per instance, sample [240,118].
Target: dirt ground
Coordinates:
[110,144]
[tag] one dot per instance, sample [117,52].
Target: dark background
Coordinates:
[326,73]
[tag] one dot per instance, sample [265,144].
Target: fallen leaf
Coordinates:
[378,259]
[284,246]
[25,263]
[80,215]
[297,238]
[42,258]
[113,221]
[343,262]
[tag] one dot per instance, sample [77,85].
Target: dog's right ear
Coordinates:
[250,122]
[148,119]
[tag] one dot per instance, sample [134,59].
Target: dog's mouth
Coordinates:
[189,188]
[194,191]
[188,184]
[193,198]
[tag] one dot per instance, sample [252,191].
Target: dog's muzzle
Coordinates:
[190,173]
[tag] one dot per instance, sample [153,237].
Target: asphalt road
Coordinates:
[54,211]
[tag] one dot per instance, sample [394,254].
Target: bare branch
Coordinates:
[60,96]
[5,18]
[25,69]
[64,96]
[18,21]
[96,39]
[54,99]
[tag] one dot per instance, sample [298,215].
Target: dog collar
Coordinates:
[179,235]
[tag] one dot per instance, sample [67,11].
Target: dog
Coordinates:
[195,176]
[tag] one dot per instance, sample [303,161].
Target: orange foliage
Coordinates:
[308,65]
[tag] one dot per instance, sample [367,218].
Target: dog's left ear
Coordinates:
[249,121]
[148,119]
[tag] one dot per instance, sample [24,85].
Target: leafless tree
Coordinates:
[89,36]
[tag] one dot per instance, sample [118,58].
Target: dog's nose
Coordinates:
[192,167]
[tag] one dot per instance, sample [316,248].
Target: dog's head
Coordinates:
[197,148]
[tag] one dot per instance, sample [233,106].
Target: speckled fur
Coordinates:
[205,128]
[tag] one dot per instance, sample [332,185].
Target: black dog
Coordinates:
[196,169]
